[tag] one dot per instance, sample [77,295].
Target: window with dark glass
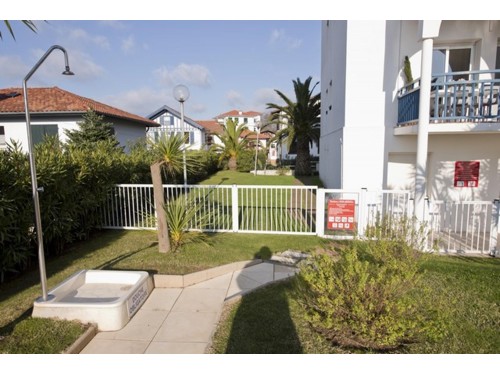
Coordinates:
[39,132]
[449,60]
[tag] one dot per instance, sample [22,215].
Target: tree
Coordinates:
[29,24]
[302,117]
[169,159]
[232,143]
[92,129]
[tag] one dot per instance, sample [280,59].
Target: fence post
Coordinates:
[495,228]
[362,212]
[320,212]
[234,208]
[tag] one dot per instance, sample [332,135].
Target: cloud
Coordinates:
[81,35]
[142,101]
[13,69]
[81,64]
[280,38]
[189,74]
[234,98]
[118,25]
[145,100]
[195,108]
[263,96]
[128,44]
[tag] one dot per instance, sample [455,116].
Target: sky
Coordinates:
[134,65]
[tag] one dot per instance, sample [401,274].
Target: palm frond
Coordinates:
[29,24]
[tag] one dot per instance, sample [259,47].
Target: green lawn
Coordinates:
[133,250]
[240,178]
[465,287]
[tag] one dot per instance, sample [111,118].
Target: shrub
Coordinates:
[16,211]
[366,296]
[207,163]
[181,213]
[246,160]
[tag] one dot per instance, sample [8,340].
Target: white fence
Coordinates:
[339,214]
[219,208]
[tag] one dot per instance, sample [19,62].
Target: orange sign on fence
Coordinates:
[341,214]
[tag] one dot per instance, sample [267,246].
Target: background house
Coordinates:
[169,121]
[253,121]
[371,116]
[54,110]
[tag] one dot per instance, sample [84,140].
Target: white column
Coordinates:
[423,131]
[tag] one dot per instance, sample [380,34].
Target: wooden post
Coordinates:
[162,225]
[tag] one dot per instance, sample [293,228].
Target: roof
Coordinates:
[55,100]
[160,111]
[238,113]
[252,135]
[212,126]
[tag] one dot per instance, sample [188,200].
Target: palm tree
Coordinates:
[168,158]
[29,24]
[299,120]
[232,142]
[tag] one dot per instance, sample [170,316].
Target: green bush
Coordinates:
[366,296]
[246,160]
[16,211]
[207,163]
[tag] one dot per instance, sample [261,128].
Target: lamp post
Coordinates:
[34,184]
[181,94]
[257,127]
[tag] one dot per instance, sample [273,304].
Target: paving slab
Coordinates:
[220,282]
[158,347]
[200,300]
[162,299]
[97,346]
[188,327]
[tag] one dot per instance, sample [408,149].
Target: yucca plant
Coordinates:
[180,214]
[168,152]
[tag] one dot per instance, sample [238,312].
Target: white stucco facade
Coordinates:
[15,129]
[362,145]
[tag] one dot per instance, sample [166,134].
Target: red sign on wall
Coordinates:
[466,174]
[341,214]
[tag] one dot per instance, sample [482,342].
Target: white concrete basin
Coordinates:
[107,298]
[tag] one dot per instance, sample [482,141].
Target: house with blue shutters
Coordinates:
[169,121]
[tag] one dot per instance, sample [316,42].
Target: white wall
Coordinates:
[353,61]
[124,131]
[333,81]
[129,133]
[16,130]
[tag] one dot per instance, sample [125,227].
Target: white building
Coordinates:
[253,122]
[169,121]
[374,126]
[53,110]
[251,119]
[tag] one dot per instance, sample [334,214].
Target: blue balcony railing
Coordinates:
[471,96]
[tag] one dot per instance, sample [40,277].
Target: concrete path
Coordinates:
[183,320]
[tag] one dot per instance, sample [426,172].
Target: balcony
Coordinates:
[459,101]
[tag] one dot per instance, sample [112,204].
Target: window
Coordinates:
[162,120]
[39,132]
[186,137]
[2,135]
[245,120]
[452,59]
[497,63]
[171,120]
